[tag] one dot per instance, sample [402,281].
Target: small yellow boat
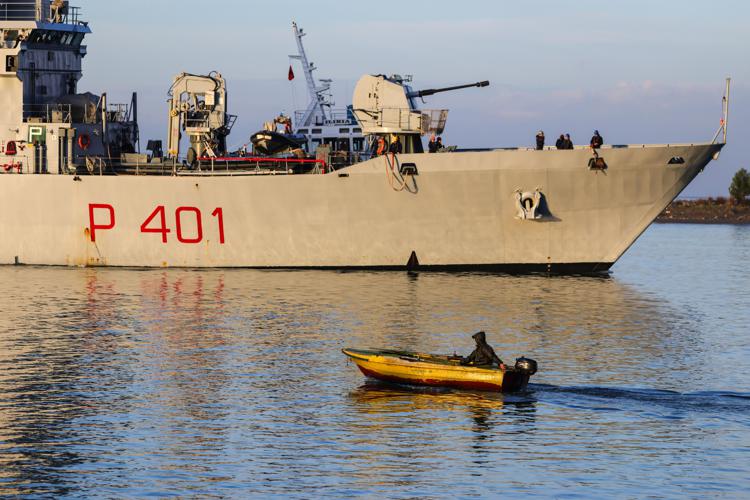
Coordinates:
[440,371]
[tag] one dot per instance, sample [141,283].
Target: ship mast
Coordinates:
[320,97]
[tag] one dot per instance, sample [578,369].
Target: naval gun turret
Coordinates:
[429,92]
[387,105]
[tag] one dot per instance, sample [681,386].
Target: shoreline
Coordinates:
[705,211]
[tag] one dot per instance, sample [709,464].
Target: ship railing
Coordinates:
[118,113]
[19,12]
[47,113]
[238,165]
[64,13]
[342,159]
[40,11]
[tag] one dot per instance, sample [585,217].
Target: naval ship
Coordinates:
[78,191]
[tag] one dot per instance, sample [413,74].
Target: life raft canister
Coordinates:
[84,141]
[10,149]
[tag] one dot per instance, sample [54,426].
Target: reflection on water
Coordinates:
[134,383]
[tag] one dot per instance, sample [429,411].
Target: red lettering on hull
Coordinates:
[93,226]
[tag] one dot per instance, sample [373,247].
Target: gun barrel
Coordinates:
[428,92]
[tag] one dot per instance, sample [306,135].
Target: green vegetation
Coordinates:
[740,187]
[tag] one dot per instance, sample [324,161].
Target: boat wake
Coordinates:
[659,403]
[705,401]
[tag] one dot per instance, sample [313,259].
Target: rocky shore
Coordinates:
[706,211]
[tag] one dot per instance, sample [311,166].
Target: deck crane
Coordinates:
[198,106]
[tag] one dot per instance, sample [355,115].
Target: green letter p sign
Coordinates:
[37,135]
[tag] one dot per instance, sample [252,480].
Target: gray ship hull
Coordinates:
[459,212]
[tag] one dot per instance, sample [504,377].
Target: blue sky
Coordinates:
[639,71]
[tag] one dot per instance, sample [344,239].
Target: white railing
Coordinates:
[45,10]
[47,113]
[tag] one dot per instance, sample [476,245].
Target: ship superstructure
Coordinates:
[51,127]
[82,195]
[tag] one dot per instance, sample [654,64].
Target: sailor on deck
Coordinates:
[396,147]
[432,145]
[597,141]
[540,140]
[380,146]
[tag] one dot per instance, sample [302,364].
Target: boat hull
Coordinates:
[459,212]
[434,371]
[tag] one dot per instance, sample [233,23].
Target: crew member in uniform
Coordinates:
[396,147]
[540,140]
[380,147]
[432,146]
[597,141]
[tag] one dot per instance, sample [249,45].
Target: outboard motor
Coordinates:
[526,366]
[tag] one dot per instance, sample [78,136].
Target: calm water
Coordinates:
[121,383]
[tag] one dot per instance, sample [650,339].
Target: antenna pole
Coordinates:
[724,115]
[317,94]
[726,109]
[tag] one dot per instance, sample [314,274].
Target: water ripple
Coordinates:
[122,383]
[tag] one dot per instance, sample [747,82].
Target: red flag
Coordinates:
[291,73]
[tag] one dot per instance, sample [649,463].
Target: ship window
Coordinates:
[357,130]
[359,144]
[343,130]
[10,64]
[50,56]
[302,131]
[317,131]
[54,37]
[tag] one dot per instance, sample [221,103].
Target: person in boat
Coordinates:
[560,144]
[540,140]
[597,141]
[484,354]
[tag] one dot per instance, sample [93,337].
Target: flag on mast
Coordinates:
[291,73]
